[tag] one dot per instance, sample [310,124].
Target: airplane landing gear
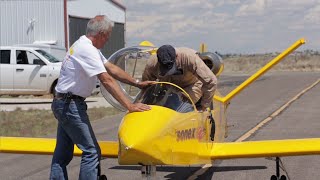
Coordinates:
[274,177]
[148,172]
[277,176]
[102,177]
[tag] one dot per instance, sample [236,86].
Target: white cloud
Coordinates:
[256,7]
[142,24]
[227,2]
[291,3]
[228,25]
[313,15]
[176,3]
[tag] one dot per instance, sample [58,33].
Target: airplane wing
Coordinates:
[249,149]
[46,146]
[255,149]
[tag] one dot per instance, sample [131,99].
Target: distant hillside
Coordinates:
[308,60]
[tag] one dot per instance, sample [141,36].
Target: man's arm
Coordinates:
[113,88]
[124,77]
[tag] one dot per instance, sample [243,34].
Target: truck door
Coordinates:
[6,72]
[31,73]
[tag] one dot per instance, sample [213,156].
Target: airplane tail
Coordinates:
[221,102]
[260,72]
[146,43]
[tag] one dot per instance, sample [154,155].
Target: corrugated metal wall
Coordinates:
[26,21]
[77,28]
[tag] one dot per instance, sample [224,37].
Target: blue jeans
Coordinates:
[74,128]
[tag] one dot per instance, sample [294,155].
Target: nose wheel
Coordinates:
[148,172]
[277,176]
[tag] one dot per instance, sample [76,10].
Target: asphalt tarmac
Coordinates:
[301,119]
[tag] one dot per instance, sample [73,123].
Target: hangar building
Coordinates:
[55,24]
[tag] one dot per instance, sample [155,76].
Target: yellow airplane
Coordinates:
[173,132]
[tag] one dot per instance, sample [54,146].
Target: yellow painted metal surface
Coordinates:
[162,136]
[146,43]
[190,152]
[203,48]
[27,145]
[141,136]
[152,50]
[271,148]
[46,146]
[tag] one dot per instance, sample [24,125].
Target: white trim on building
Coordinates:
[91,8]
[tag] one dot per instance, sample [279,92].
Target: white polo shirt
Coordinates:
[80,68]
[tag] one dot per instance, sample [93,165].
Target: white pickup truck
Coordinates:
[27,71]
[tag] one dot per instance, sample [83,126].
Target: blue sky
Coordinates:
[226,26]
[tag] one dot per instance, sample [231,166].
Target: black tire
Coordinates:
[53,88]
[283,177]
[103,177]
[273,177]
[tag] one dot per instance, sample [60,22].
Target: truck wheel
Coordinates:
[53,90]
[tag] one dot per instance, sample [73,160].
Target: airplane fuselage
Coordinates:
[164,136]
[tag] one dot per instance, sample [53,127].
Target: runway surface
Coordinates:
[301,119]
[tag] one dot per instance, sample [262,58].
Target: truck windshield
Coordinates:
[165,95]
[48,56]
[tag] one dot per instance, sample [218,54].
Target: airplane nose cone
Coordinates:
[142,135]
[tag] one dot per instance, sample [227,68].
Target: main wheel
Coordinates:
[103,177]
[273,177]
[53,89]
[283,177]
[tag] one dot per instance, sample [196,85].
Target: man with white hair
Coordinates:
[82,65]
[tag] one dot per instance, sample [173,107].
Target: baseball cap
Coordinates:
[167,60]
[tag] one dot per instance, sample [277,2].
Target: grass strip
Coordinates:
[37,123]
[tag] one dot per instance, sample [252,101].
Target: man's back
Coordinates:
[194,73]
[185,59]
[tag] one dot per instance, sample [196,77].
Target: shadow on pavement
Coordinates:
[185,172]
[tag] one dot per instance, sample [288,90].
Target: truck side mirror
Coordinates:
[38,61]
